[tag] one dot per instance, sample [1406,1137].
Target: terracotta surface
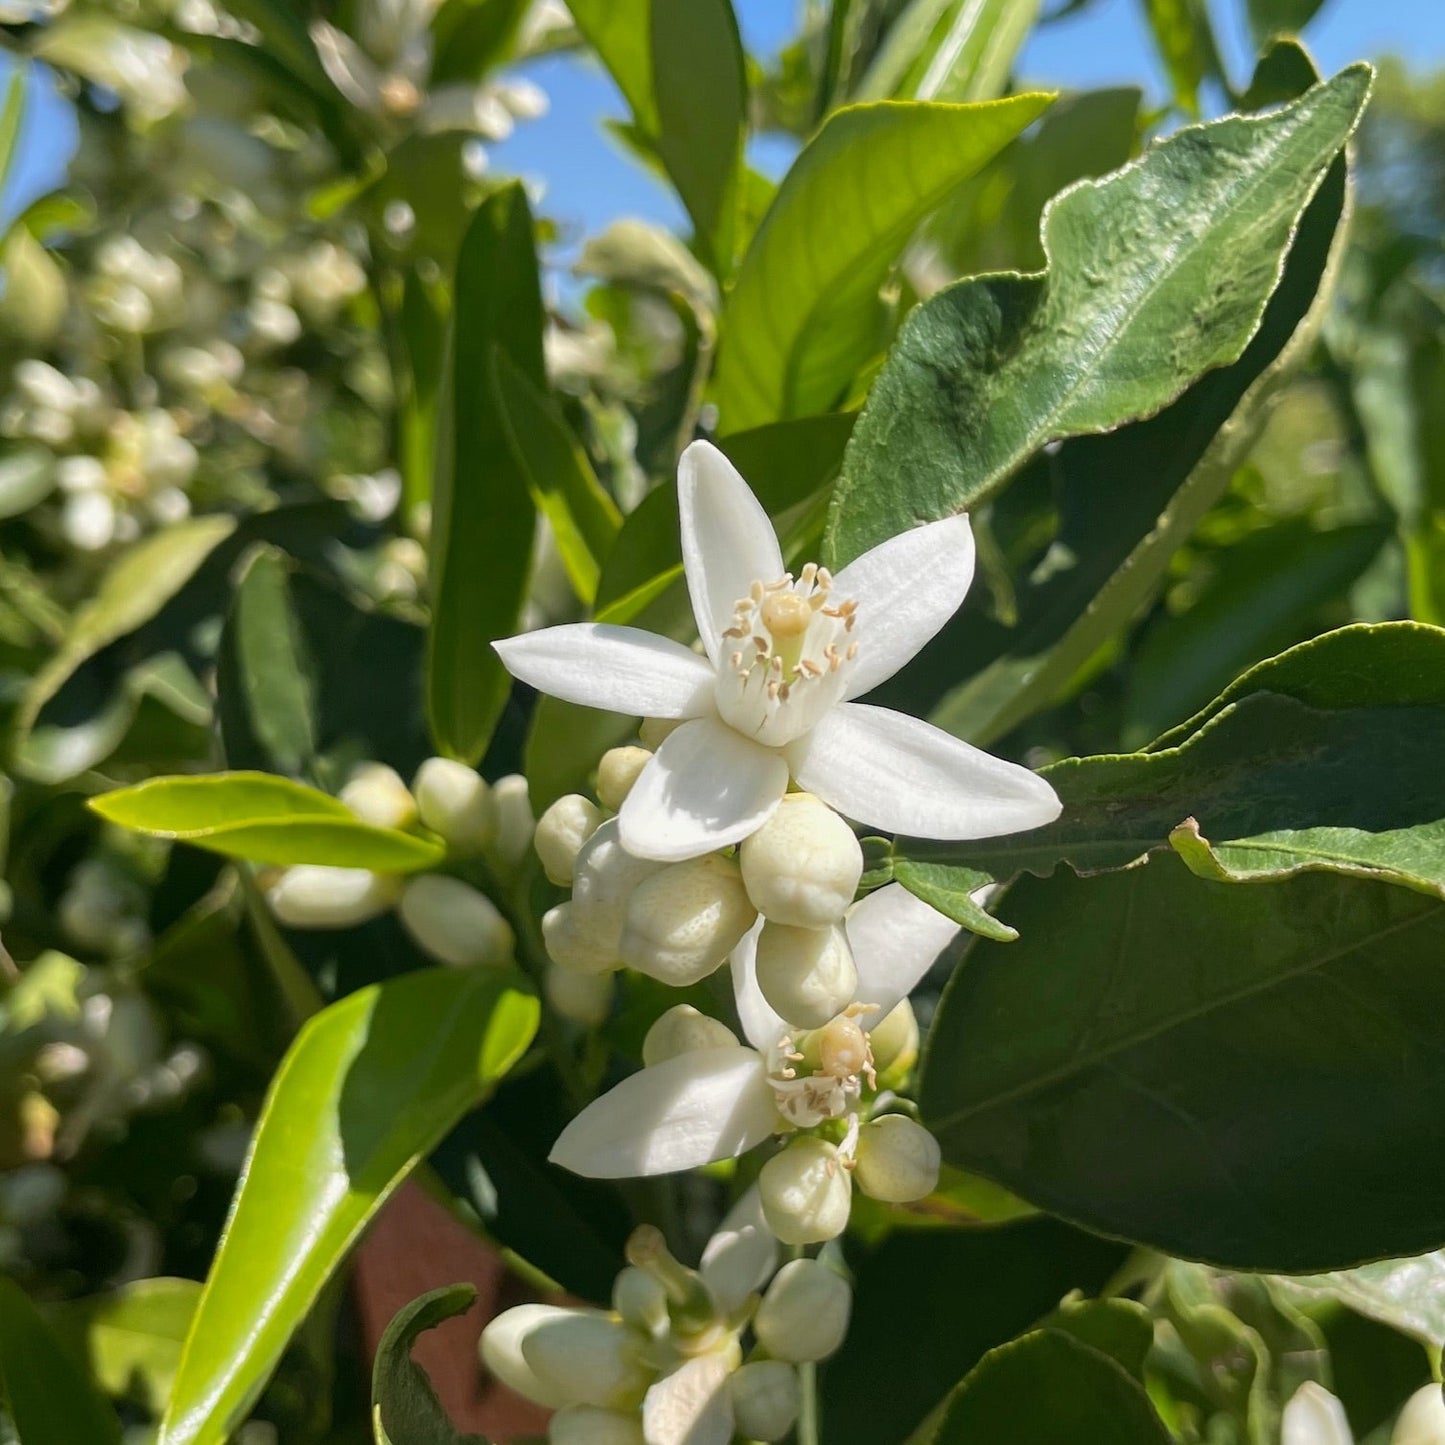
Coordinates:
[416,1246]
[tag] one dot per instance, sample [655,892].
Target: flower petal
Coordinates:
[691,1406]
[706,787]
[742,1255]
[895,939]
[728,543]
[617,669]
[894,772]
[1315,1417]
[906,589]
[701,1106]
[762,1025]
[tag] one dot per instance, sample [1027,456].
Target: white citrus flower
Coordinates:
[1315,1417]
[785,656]
[718,1102]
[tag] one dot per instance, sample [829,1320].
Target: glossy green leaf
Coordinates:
[804,314]
[404,1407]
[1134,306]
[46,1398]
[1406,1294]
[1049,1389]
[265,819]
[1244,1075]
[368,1088]
[1276,17]
[480,502]
[1185,40]
[949,50]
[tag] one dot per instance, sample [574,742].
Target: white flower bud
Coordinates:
[894,1041]
[681,1030]
[575,948]
[765,1399]
[501,1348]
[587,1425]
[806,1194]
[561,832]
[515,822]
[453,922]
[640,1299]
[313,895]
[1422,1421]
[684,921]
[377,795]
[806,974]
[603,883]
[654,731]
[803,865]
[591,1359]
[455,802]
[617,772]
[1313,1416]
[898,1160]
[585,998]
[804,1315]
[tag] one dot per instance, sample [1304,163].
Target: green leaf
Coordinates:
[27,476]
[949,50]
[368,1088]
[473,37]
[585,520]
[1135,305]
[132,1336]
[1120,1328]
[480,502]
[265,819]
[804,313]
[1406,1294]
[45,1396]
[1185,40]
[404,1407]
[1268,18]
[1049,1389]
[11,116]
[1244,1075]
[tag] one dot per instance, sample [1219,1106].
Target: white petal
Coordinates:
[893,772]
[762,1025]
[906,589]
[704,1105]
[742,1255]
[1314,1417]
[691,1406]
[728,543]
[617,669]
[706,787]
[895,939]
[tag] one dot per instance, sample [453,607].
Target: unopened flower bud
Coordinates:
[455,802]
[640,1299]
[561,832]
[803,865]
[804,1315]
[1313,1416]
[898,1160]
[589,1359]
[313,895]
[501,1348]
[681,1030]
[1422,1421]
[765,1399]
[654,731]
[587,1425]
[377,795]
[617,772]
[806,974]
[453,922]
[684,921]
[894,1040]
[574,947]
[515,822]
[603,883]
[585,998]
[806,1194]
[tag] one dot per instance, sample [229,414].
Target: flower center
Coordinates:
[843,1057]
[790,650]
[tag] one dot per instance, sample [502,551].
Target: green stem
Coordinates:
[808,1407]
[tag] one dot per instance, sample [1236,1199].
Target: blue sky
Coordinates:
[590,181]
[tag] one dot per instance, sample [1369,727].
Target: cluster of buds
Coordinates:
[684,1355]
[450,920]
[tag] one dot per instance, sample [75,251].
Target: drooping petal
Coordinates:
[691,1406]
[1315,1417]
[894,772]
[895,939]
[906,589]
[617,669]
[701,1106]
[706,787]
[742,1255]
[728,543]
[762,1024]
